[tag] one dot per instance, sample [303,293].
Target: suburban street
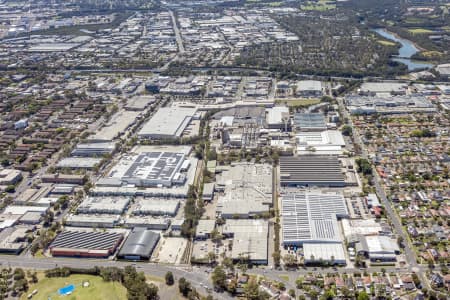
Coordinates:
[198,276]
[390,212]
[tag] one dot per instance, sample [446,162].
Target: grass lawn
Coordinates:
[298,102]
[284,277]
[420,31]
[97,290]
[386,43]
[275,4]
[322,5]
[39,254]
[413,20]
[431,53]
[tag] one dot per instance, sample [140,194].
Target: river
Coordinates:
[405,52]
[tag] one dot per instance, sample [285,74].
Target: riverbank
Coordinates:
[407,50]
[420,49]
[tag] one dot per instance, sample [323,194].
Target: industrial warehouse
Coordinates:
[139,244]
[103,205]
[94,149]
[310,122]
[310,220]
[247,190]
[249,239]
[327,142]
[152,169]
[88,244]
[168,123]
[312,217]
[156,206]
[311,170]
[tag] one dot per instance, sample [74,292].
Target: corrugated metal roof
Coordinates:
[141,242]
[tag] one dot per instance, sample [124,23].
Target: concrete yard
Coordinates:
[170,250]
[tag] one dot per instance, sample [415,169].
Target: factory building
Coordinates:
[78,163]
[311,170]
[13,240]
[312,217]
[310,220]
[156,206]
[332,253]
[327,142]
[116,126]
[10,176]
[208,191]
[247,190]
[148,222]
[204,229]
[388,105]
[250,239]
[103,205]
[151,169]
[93,221]
[309,88]
[139,245]
[93,149]
[167,123]
[86,244]
[278,117]
[64,178]
[310,122]
[378,248]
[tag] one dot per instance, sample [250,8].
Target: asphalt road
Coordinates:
[199,279]
[176,30]
[198,276]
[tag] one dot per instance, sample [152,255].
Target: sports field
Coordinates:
[97,289]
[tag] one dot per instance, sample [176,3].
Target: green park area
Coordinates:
[320,5]
[386,43]
[420,31]
[86,287]
[298,102]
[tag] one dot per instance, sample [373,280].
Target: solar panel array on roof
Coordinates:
[312,217]
[87,240]
[155,165]
[311,170]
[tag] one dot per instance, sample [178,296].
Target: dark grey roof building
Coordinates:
[86,243]
[311,170]
[139,245]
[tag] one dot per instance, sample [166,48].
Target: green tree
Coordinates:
[363,296]
[347,130]
[219,277]
[227,262]
[291,293]
[276,258]
[251,290]
[10,189]
[169,278]
[290,260]
[184,286]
